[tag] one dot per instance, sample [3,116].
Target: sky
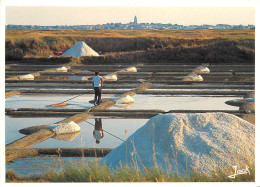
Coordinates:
[87,15]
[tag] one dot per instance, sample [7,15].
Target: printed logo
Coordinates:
[239,172]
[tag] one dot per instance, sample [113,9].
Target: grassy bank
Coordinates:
[138,45]
[95,172]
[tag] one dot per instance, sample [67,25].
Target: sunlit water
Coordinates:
[162,102]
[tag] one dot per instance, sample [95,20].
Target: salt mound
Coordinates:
[193,78]
[201,69]
[64,128]
[124,100]
[26,77]
[80,49]
[131,69]
[205,142]
[62,69]
[110,78]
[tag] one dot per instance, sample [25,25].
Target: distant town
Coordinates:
[133,25]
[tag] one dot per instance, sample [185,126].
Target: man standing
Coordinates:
[97,82]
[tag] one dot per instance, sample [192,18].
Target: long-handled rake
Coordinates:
[64,102]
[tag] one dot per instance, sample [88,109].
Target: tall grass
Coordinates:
[97,172]
[27,43]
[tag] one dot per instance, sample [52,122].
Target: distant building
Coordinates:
[135,20]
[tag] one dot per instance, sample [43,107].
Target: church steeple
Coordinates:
[135,20]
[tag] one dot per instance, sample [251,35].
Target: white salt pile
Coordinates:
[124,100]
[201,70]
[26,77]
[110,78]
[131,69]
[80,49]
[65,128]
[193,78]
[62,69]
[185,142]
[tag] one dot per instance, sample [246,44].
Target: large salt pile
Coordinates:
[80,49]
[204,142]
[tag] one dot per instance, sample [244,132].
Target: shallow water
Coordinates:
[162,102]
[41,164]
[116,127]
[45,101]
[167,102]
[13,125]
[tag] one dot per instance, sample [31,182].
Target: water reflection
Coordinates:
[98,132]
[66,137]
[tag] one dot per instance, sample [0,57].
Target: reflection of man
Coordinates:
[98,132]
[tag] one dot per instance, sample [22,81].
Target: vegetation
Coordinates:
[95,172]
[11,175]
[137,45]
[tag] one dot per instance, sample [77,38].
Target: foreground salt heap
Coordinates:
[201,141]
